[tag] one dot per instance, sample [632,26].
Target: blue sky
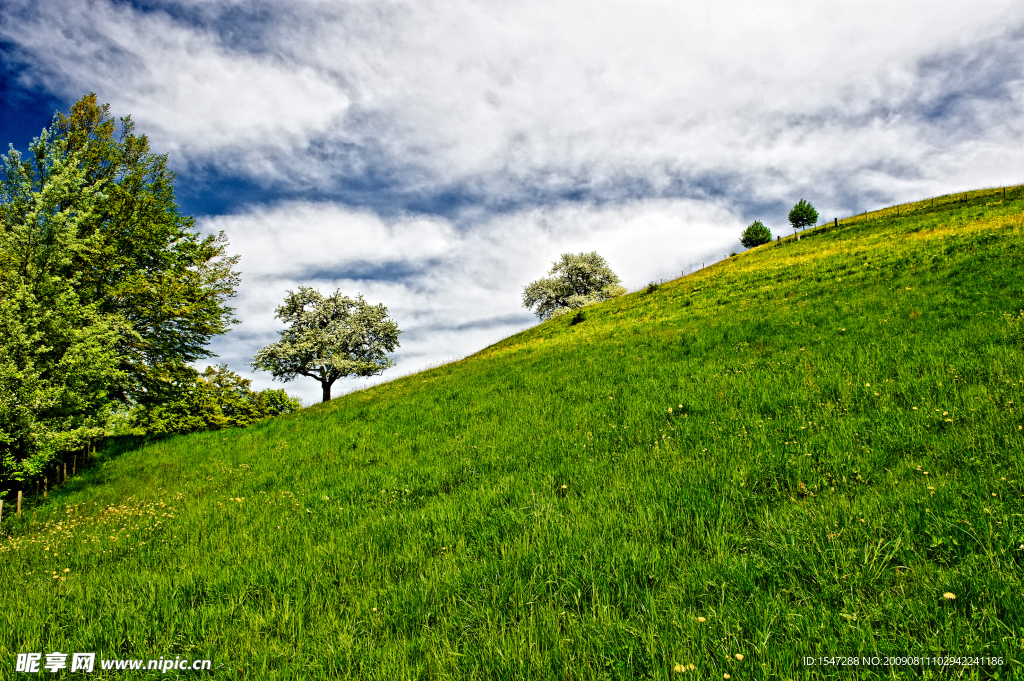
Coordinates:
[437,157]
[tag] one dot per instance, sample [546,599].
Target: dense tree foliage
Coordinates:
[329,337]
[105,287]
[578,279]
[755,235]
[214,399]
[58,359]
[147,263]
[803,215]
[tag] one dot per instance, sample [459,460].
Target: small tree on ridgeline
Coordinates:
[329,337]
[755,235]
[803,215]
[582,279]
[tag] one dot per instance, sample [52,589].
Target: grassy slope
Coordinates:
[806,445]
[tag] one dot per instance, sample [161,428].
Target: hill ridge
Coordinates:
[797,452]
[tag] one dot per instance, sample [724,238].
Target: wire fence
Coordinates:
[929,205]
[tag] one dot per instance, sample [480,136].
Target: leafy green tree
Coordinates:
[755,235]
[329,338]
[104,285]
[58,356]
[803,215]
[144,262]
[214,399]
[579,279]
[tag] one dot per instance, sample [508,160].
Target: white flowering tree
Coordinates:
[581,279]
[329,337]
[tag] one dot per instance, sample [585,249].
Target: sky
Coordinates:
[436,157]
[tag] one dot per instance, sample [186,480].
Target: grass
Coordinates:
[794,453]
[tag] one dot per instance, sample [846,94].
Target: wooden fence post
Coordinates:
[46,486]
[1,510]
[19,503]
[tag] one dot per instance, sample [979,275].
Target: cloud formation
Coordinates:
[540,100]
[438,156]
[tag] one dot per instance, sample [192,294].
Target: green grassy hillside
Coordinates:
[795,452]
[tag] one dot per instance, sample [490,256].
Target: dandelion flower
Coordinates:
[679,668]
[993,493]
[67,569]
[739,657]
[914,408]
[726,676]
[670,410]
[949,596]
[375,609]
[701,620]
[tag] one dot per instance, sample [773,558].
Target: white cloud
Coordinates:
[191,94]
[542,95]
[452,291]
[302,238]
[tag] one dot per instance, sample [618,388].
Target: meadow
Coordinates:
[813,449]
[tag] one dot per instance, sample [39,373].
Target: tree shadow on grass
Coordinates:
[82,473]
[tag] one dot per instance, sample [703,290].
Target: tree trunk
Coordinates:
[327,391]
